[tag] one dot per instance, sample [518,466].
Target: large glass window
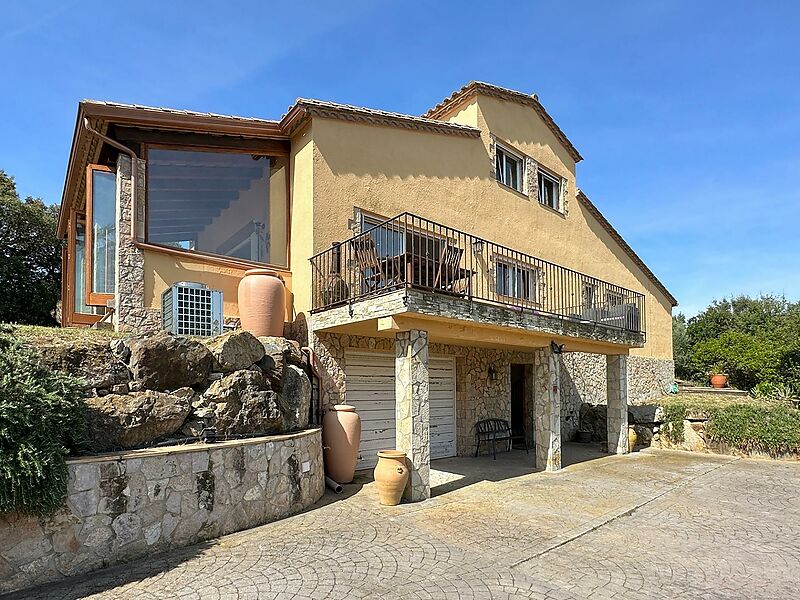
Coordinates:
[222,203]
[101,215]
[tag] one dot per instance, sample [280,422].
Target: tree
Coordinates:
[30,257]
[681,348]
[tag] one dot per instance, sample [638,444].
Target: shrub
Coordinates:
[774,429]
[41,422]
[745,358]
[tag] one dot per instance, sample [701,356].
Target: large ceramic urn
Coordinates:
[391,476]
[341,435]
[262,302]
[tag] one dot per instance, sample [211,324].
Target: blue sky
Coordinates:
[687,113]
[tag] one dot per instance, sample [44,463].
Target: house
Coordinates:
[445,268]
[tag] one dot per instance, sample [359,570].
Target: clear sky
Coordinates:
[687,113]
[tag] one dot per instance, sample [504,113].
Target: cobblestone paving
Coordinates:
[655,524]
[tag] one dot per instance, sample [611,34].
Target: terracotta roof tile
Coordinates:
[175,111]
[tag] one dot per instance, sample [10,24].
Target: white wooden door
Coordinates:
[370,388]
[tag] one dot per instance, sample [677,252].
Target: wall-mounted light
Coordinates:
[556,348]
[492,373]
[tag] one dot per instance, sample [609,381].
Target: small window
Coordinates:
[549,190]
[589,294]
[101,234]
[508,168]
[516,281]
[614,299]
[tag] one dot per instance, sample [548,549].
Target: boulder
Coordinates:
[91,360]
[593,419]
[244,403]
[643,413]
[235,350]
[135,419]
[278,352]
[167,362]
[295,398]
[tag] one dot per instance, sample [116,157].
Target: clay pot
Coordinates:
[391,476]
[632,438]
[341,435]
[262,302]
[719,380]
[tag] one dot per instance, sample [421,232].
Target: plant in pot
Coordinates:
[717,376]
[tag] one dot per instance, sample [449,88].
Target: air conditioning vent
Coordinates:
[191,309]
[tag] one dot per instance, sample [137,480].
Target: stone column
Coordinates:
[617,421]
[547,407]
[413,409]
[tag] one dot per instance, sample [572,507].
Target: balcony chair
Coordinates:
[376,273]
[449,275]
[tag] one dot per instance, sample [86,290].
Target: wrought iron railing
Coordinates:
[408,251]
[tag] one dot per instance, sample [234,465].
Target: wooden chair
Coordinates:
[373,269]
[449,275]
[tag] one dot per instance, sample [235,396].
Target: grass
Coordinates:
[37,335]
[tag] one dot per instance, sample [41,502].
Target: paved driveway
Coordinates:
[655,524]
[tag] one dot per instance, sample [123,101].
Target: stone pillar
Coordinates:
[413,409]
[547,407]
[617,421]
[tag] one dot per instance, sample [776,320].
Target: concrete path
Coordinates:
[654,524]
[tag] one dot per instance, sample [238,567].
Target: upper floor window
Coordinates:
[508,168]
[226,203]
[516,281]
[549,190]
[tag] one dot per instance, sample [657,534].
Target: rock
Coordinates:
[235,350]
[278,353]
[120,388]
[165,362]
[244,403]
[642,413]
[295,398]
[593,419]
[91,360]
[134,420]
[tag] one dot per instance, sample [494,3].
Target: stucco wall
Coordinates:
[448,179]
[124,506]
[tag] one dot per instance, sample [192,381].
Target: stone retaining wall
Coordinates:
[124,506]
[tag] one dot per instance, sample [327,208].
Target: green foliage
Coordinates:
[674,414]
[752,340]
[41,421]
[681,347]
[30,257]
[774,429]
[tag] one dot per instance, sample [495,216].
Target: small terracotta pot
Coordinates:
[341,435]
[719,380]
[391,476]
[262,302]
[632,438]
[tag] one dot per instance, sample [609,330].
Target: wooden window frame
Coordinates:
[210,256]
[68,315]
[93,298]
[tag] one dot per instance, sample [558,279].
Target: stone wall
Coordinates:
[583,381]
[124,506]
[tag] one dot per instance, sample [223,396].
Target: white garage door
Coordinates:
[370,388]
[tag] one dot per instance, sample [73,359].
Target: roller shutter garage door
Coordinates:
[370,388]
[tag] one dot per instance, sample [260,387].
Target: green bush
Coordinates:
[747,359]
[41,421]
[774,429]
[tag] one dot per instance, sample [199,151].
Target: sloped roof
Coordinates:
[308,107]
[595,212]
[495,91]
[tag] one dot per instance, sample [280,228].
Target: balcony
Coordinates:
[459,270]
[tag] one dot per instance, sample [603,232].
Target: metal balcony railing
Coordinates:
[408,251]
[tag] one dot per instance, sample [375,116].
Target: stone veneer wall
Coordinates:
[583,381]
[477,397]
[124,506]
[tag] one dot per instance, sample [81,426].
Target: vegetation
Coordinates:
[41,422]
[30,257]
[744,424]
[754,341]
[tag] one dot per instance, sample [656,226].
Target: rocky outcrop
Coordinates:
[117,421]
[278,352]
[295,398]
[167,362]
[243,402]
[91,360]
[235,350]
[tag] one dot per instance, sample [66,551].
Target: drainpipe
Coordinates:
[134,169]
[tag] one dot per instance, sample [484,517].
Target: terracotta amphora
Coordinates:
[341,435]
[391,476]
[262,302]
[632,438]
